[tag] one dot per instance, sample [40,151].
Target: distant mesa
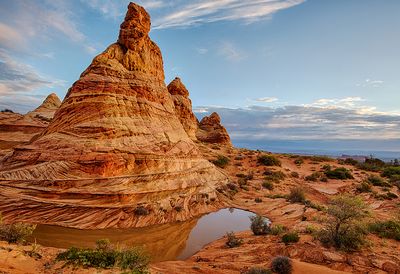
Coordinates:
[118,152]
[212,131]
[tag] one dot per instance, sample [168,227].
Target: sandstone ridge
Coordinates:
[212,131]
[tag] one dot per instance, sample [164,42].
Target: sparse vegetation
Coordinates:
[221,161]
[344,229]
[15,233]
[269,160]
[282,265]
[364,187]
[141,211]
[297,195]
[260,225]
[106,256]
[299,162]
[291,237]
[268,185]
[278,229]
[6,110]
[258,270]
[377,181]
[274,176]
[232,241]
[258,200]
[315,176]
[294,174]
[386,229]
[339,173]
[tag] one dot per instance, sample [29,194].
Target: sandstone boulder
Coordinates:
[115,153]
[212,131]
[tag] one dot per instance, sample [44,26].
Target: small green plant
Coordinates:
[364,187]
[258,200]
[278,229]
[268,185]
[310,229]
[274,176]
[315,176]
[259,225]
[294,174]
[339,173]
[16,233]
[281,265]
[232,241]
[299,162]
[297,195]
[343,228]
[377,181]
[141,211]
[291,237]
[269,160]
[221,161]
[386,229]
[106,257]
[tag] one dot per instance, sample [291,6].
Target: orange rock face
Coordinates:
[183,106]
[17,129]
[116,153]
[211,130]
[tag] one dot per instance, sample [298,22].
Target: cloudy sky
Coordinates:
[274,69]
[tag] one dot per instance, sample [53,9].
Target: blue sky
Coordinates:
[297,69]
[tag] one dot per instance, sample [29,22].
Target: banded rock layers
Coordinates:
[116,153]
[212,131]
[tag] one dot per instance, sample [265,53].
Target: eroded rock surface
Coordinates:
[115,153]
[183,106]
[212,131]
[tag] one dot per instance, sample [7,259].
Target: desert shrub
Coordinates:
[363,187]
[16,233]
[291,237]
[294,174]
[310,229]
[141,211]
[278,229]
[350,161]
[343,228]
[258,200]
[391,171]
[232,186]
[269,160]
[268,185]
[313,205]
[297,195]
[7,110]
[105,256]
[386,229]
[281,265]
[259,225]
[233,241]
[221,161]
[377,181]
[298,162]
[275,176]
[258,270]
[315,176]
[178,208]
[372,164]
[339,173]
[277,196]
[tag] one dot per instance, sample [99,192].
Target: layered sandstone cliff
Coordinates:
[183,107]
[115,153]
[17,129]
[212,131]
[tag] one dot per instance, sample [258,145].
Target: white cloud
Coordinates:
[230,52]
[208,11]
[267,99]
[371,83]
[202,51]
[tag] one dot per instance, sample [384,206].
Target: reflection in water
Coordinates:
[165,242]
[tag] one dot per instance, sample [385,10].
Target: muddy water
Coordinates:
[165,242]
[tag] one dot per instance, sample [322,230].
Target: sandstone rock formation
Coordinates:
[16,129]
[115,154]
[183,107]
[211,130]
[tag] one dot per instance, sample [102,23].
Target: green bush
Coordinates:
[260,225]
[274,176]
[299,162]
[343,228]
[377,181]
[291,237]
[281,265]
[297,195]
[315,176]
[269,160]
[363,187]
[391,171]
[232,241]
[106,257]
[278,229]
[372,164]
[16,233]
[350,161]
[268,185]
[339,173]
[386,229]
[221,161]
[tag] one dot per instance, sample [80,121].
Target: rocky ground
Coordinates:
[309,256]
